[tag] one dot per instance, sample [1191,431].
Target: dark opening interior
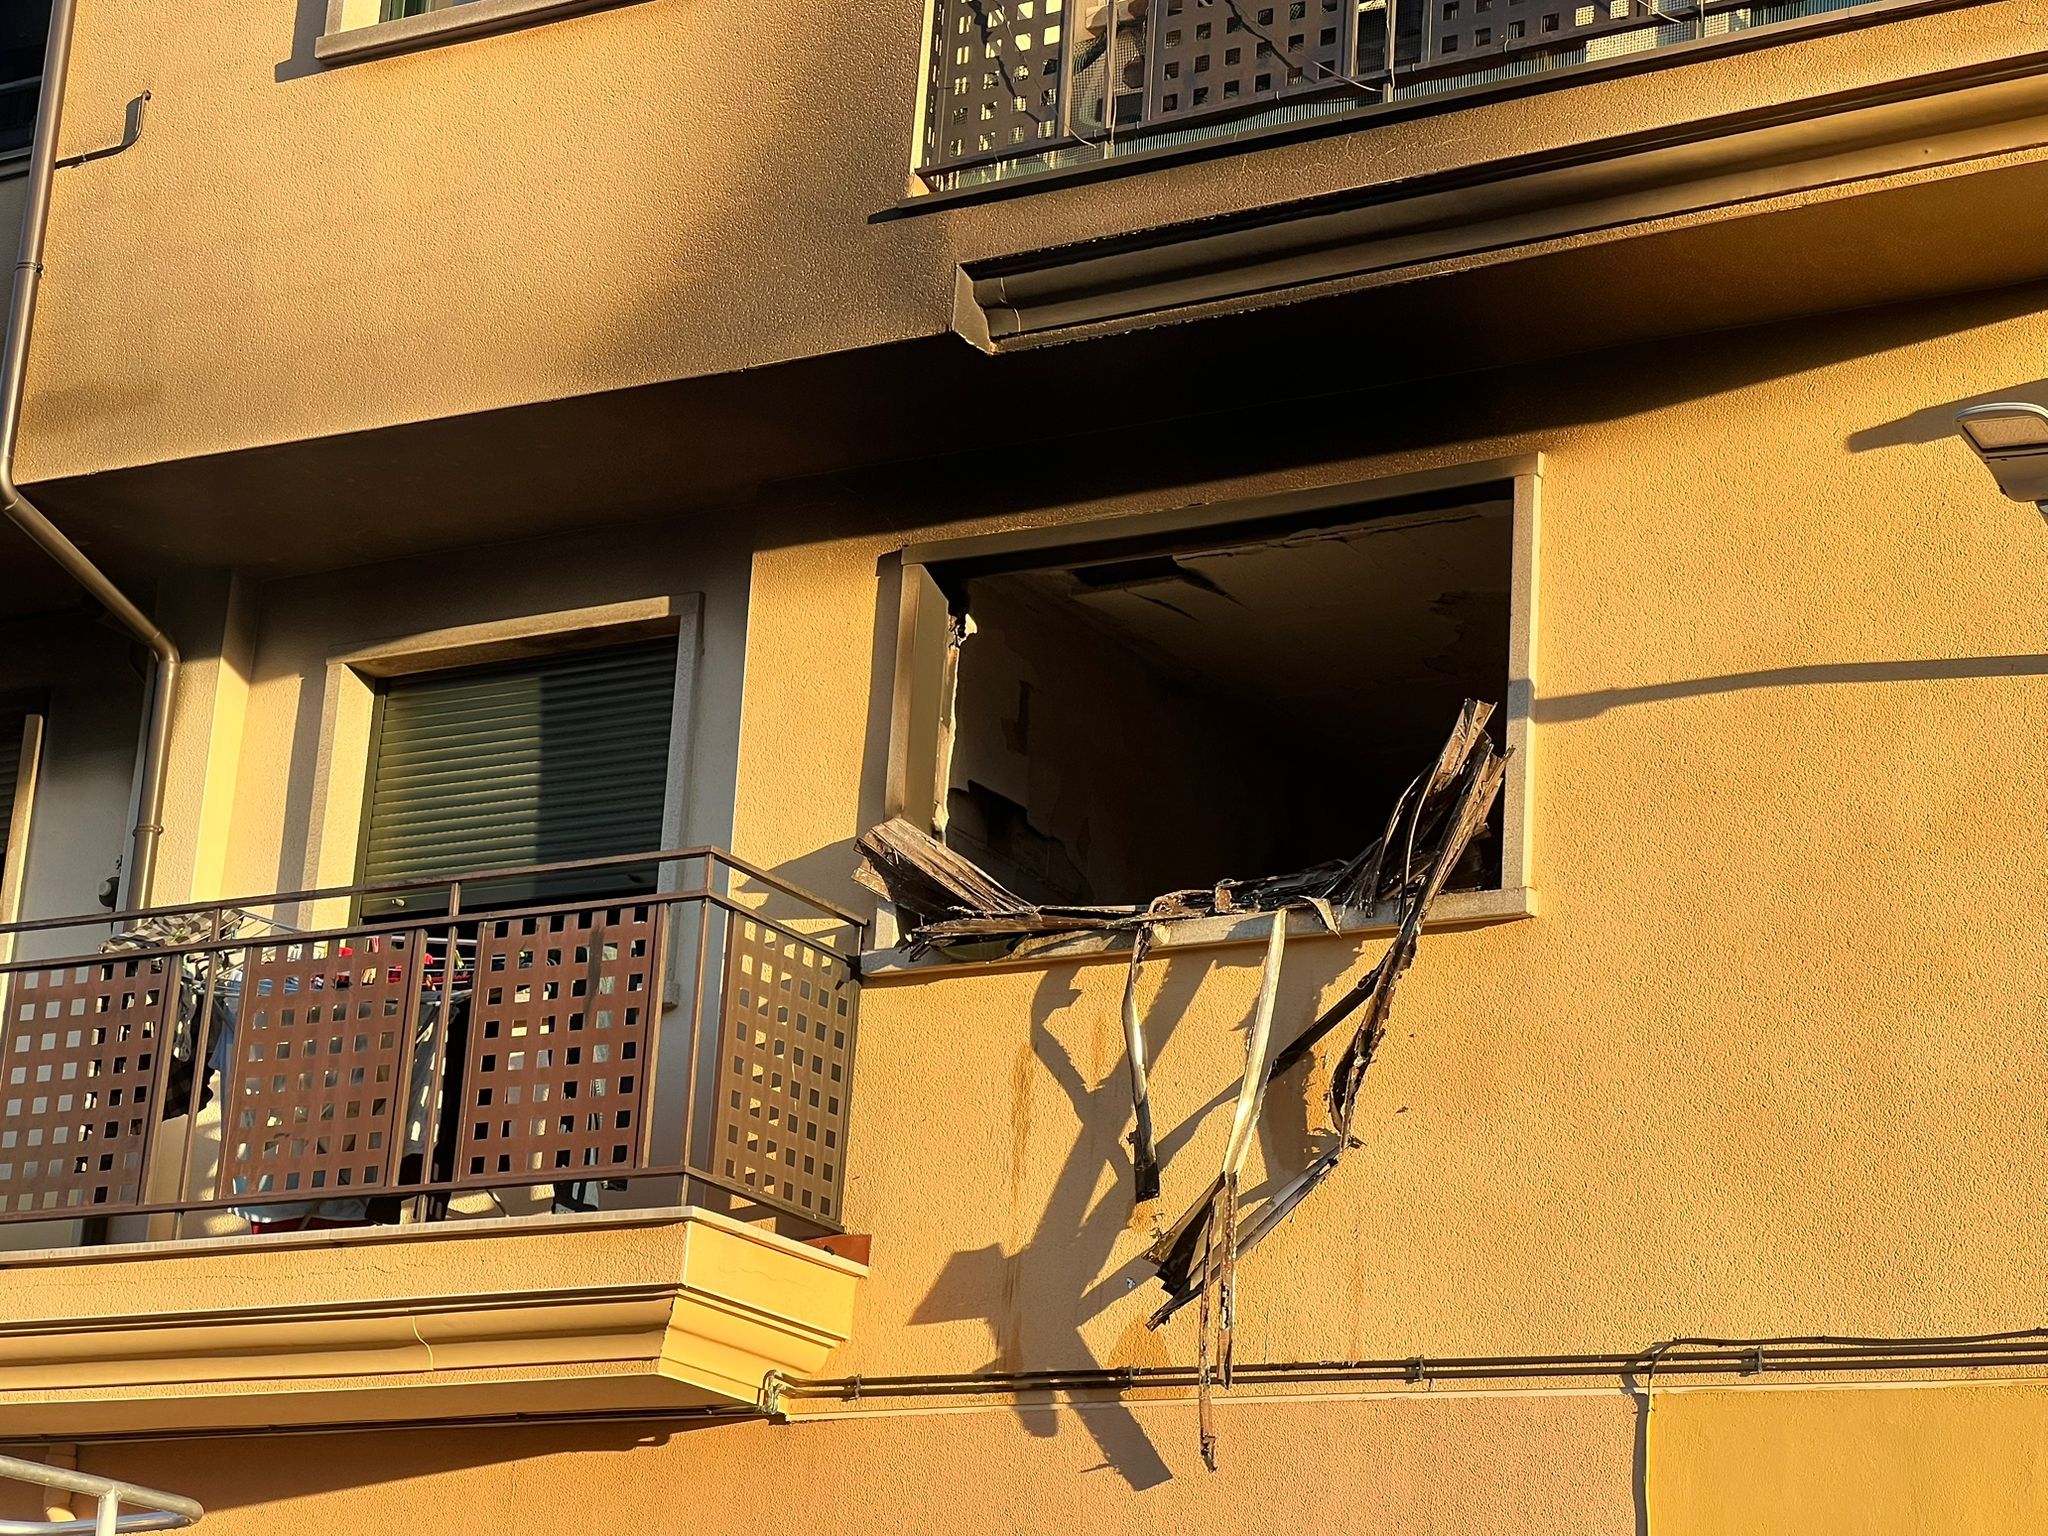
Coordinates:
[1132,721]
[24,28]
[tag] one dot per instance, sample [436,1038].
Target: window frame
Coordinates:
[675,770]
[28,768]
[341,770]
[347,35]
[918,764]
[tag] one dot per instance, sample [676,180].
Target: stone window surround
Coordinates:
[354,32]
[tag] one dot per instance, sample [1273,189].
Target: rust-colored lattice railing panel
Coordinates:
[1477,34]
[785,1066]
[78,1085]
[995,80]
[1214,54]
[558,1041]
[321,1051]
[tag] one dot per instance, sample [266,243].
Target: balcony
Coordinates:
[1017,87]
[564,1137]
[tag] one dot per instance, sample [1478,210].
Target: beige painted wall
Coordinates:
[661,190]
[1953,1461]
[1767,1061]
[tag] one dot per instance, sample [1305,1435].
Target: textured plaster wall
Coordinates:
[662,190]
[1958,1461]
[1437,1466]
[1769,1059]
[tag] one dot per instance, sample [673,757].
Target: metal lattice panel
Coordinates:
[77,1086]
[786,1056]
[1479,34]
[558,1042]
[320,1057]
[1214,54]
[995,78]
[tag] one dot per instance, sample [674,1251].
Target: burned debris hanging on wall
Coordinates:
[1432,824]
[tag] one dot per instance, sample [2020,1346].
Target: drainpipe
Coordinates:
[21,314]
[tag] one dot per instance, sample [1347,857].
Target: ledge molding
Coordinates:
[1453,910]
[683,1309]
[1425,226]
[341,43]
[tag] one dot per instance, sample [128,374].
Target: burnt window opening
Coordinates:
[1233,704]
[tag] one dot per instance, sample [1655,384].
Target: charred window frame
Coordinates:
[930,630]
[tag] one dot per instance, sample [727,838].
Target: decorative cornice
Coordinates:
[1935,124]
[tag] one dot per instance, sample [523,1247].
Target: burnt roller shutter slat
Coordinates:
[534,762]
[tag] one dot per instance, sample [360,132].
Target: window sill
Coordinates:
[1455,909]
[478,18]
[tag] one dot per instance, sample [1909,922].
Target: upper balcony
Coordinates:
[682,344]
[1020,87]
[600,1107]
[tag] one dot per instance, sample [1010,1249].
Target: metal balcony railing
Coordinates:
[1015,86]
[151,1509]
[664,1027]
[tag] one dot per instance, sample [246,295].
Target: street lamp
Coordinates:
[2011,437]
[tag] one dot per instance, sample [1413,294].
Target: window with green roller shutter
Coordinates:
[530,762]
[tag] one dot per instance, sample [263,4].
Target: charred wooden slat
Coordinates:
[1471,796]
[922,873]
[1144,1152]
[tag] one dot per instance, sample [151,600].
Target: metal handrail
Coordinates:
[158,1511]
[417,924]
[441,882]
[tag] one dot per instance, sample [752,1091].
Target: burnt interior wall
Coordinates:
[1220,709]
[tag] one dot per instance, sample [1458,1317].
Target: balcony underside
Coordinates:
[1931,187]
[1839,201]
[659,1311]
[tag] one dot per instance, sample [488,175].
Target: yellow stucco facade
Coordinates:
[1759,1056]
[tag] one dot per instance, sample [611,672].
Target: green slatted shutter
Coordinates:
[532,762]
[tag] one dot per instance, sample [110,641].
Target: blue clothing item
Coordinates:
[227,1007]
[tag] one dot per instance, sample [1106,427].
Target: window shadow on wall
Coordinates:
[1586,706]
[308,23]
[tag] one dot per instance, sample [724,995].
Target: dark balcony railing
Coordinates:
[689,1044]
[1016,86]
